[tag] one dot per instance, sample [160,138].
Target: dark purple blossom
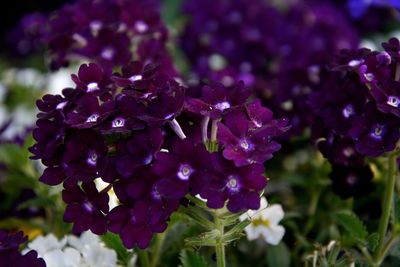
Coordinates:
[246,145]
[216,99]
[86,207]
[10,254]
[240,186]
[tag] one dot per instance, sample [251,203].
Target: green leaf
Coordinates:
[114,242]
[190,258]
[278,255]
[373,241]
[353,225]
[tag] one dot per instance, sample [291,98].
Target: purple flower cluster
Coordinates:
[357,111]
[283,60]
[138,132]
[110,33]
[10,254]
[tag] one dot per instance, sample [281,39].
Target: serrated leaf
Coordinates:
[353,225]
[278,255]
[114,242]
[190,258]
[373,241]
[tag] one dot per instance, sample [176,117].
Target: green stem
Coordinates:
[387,206]
[220,247]
[143,258]
[157,249]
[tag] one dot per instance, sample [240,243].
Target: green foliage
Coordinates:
[190,258]
[278,255]
[373,241]
[353,225]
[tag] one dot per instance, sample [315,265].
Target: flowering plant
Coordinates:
[164,130]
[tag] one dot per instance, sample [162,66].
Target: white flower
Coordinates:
[265,223]
[84,251]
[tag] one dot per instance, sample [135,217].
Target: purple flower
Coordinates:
[86,207]
[130,223]
[374,133]
[181,164]
[83,152]
[216,99]
[90,78]
[246,145]
[9,251]
[138,150]
[240,186]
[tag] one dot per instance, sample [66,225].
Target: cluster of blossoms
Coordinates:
[123,128]
[10,254]
[283,60]
[71,251]
[103,31]
[358,114]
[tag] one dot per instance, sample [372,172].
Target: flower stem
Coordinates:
[157,249]
[143,258]
[387,207]
[220,246]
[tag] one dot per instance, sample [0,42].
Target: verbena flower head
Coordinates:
[10,254]
[107,32]
[138,133]
[357,113]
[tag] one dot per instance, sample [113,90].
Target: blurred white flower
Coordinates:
[84,251]
[265,223]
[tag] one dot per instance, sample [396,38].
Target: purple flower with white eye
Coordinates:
[90,78]
[375,133]
[340,150]
[124,118]
[216,99]
[134,72]
[246,145]
[108,48]
[240,186]
[164,100]
[387,97]
[138,150]
[177,167]
[89,112]
[86,207]
[83,151]
[10,254]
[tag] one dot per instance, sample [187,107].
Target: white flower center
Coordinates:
[377,132]
[108,53]
[141,26]
[393,101]
[135,78]
[88,206]
[118,122]
[92,159]
[348,151]
[354,63]
[147,160]
[92,87]
[232,184]
[184,172]
[217,62]
[348,110]
[222,105]
[61,105]
[92,118]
